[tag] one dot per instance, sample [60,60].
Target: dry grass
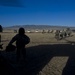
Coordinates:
[36,38]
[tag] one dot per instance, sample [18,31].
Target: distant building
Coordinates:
[15,31]
[36,31]
[28,31]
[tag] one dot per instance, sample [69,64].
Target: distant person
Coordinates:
[21,40]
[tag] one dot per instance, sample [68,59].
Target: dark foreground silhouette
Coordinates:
[36,59]
[21,40]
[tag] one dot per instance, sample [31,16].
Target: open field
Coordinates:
[46,55]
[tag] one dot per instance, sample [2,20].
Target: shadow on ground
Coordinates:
[38,57]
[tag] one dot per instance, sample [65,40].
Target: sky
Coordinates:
[37,12]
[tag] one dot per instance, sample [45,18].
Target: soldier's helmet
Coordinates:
[21,31]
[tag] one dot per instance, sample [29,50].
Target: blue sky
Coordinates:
[39,12]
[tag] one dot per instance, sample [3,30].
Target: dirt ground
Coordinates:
[45,55]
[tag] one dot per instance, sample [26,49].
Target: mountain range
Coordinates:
[40,27]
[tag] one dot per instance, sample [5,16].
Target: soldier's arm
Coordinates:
[13,39]
[27,39]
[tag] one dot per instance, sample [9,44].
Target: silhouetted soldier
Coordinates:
[0,43]
[21,40]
